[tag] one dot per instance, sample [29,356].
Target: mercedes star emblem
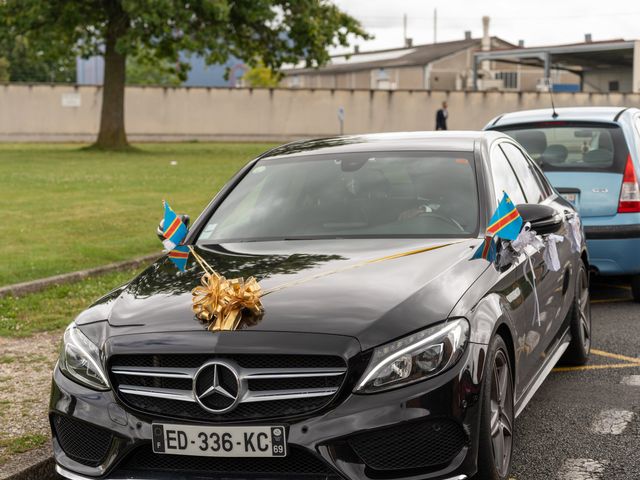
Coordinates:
[216,387]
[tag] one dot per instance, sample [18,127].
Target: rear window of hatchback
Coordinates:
[572,146]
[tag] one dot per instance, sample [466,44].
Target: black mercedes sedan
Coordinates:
[385,347]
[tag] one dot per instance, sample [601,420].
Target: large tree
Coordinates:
[274,32]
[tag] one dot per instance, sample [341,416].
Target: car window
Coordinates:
[368,194]
[547,189]
[521,166]
[572,146]
[504,178]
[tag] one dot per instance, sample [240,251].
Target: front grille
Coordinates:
[299,463]
[243,360]
[82,442]
[414,445]
[271,386]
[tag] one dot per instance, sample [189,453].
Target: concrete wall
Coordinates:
[598,81]
[411,78]
[59,113]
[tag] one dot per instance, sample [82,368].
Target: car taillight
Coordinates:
[630,192]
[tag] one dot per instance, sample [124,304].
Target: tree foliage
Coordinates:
[27,64]
[273,31]
[261,76]
[143,68]
[4,69]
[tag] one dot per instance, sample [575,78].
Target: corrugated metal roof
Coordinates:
[617,51]
[400,57]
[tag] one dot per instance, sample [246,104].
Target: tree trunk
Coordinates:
[112,134]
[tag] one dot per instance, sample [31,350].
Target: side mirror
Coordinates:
[543,218]
[185,219]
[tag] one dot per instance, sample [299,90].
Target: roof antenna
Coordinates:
[549,85]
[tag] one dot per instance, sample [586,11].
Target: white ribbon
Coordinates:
[528,237]
[168,244]
[525,238]
[550,256]
[506,255]
[575,233]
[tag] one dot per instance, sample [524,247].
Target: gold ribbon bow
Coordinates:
[223,304]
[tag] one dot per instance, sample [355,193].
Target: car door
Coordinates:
[553,287]
[515,288]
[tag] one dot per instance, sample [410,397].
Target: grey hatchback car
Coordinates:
[591,155]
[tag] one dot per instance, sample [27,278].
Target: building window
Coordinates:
[381,74]
[510,79]
[614,86]
[382,80]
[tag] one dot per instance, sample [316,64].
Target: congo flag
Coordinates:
[487,250]
[179,256]
[506,222]
[174,230]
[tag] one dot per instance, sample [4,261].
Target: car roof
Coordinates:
[459,141]
[592,114]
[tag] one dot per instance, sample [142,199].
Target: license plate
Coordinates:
[205,441]
[570,197]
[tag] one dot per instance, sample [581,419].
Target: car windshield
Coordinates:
[379,194]
[573,146]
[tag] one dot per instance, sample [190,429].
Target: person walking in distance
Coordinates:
[441,117]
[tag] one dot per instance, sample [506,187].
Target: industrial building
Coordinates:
[605,66]
[489,63]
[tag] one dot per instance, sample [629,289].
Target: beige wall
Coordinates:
[36,112]
[598,81]
[411,78]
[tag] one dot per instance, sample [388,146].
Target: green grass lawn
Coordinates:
[54,307]
[64,208]
[21,444]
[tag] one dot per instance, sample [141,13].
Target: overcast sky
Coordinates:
[537,22]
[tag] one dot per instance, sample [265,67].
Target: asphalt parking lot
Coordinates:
[584,423]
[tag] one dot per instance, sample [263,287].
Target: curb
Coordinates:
[19,289]
[33,465]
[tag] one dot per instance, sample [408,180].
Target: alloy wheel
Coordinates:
[501,413]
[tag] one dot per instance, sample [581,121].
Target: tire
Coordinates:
[497,416]
[635,288]
[580,317]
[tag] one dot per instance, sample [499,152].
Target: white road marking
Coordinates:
[582,469]
[611,422]
[633,380]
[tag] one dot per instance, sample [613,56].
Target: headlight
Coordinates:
[416,357]
[80,360]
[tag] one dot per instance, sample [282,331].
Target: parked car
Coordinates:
[385,348]
[592,157]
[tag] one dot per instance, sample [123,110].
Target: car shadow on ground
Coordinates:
[610,289]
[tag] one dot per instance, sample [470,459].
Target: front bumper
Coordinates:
[64,473]
[446,403]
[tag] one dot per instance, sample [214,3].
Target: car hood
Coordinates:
[358,288]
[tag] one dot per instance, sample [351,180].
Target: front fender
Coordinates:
[485,308]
